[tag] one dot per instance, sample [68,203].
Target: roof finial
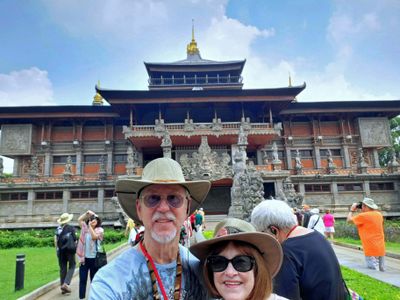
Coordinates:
[97,99]
[290,80]
[191,48]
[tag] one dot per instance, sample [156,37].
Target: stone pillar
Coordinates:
[317,157]
[346,156]
[29,204]
[335,193]
[288,152]
[47,163]
[100,200]
[109,162]
[16,166]
[302,189]
[66,198]
[375,155]
[78,162]
[367,192]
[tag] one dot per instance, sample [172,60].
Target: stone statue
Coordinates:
[132,160]
[34,169]
[166,140]
[242,137]
[299,165]
[68,166]
[275,156]
[289,195]
[331,166]
[362,166]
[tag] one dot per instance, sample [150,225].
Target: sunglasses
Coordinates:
[241,263]
[153,200]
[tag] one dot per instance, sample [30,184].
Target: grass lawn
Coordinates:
[369,288]
[390,246]
[41,267]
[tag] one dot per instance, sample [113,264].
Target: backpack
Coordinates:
[66,241]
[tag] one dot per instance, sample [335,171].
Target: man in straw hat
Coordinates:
[369,224]
[65,252]
[157,267]
[310,269]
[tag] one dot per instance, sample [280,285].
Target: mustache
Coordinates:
[158,215]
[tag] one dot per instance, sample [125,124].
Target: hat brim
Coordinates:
[373,206]
[268,246]
[127,193]
[70,216]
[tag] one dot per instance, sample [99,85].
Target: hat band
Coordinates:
[165,180]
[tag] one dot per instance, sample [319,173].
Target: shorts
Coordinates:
[329,229]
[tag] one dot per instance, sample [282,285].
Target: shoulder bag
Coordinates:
[101,256]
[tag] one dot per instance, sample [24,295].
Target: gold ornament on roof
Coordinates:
[192,46]
[97,99]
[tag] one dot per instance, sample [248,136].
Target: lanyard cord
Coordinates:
[291,230]
[154,273]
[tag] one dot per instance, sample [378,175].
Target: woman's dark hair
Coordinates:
[92,217]
[262,277]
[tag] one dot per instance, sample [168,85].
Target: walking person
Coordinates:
[158,267]
[89,243]
[369,222]
[329,222]
[316,222]
[306,215]
[65,241]
[239,262]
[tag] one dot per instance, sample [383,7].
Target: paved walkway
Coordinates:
[351,258]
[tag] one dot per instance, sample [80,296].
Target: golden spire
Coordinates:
[97,99]
[191,48]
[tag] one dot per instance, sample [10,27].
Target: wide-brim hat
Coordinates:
[232,229]
[65,218]
[164,171]
[370,203]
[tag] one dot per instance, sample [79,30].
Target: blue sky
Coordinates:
[54,52]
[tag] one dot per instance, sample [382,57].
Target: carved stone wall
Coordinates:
[374,132]
[16,139]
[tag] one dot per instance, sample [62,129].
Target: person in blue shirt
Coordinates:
[157,267]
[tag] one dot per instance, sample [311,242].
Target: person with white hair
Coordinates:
[310,269]
[316,222]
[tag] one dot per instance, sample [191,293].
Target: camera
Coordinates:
[359,205]
[92,217]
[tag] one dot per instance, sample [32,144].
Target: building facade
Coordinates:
[67,158]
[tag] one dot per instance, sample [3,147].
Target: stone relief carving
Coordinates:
[16,139]
[374,132]
[34,167]
[205,163]
[102,168]
[289,194]
[354,156]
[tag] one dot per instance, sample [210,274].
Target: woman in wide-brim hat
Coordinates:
[239,263]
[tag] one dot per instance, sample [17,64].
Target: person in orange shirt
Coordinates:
[369,224]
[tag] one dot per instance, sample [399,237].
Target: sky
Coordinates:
[55,52]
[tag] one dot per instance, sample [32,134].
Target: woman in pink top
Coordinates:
[329,222]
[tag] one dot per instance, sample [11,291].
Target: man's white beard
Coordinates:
[164,239]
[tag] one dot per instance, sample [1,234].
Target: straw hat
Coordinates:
[232,229]
[370,203]
[159,171]
[65,218]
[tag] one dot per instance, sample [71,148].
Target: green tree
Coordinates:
[386,154]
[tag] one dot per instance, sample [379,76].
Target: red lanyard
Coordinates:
[291,230]
[152,267]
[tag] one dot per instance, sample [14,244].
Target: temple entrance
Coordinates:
[218,200]
[269,190]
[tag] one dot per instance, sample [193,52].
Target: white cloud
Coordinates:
[26,87]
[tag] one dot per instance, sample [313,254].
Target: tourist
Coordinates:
[306,215]
[316,221]
[89,243]
[239,262]
[163,201]
[310,269]
[193,220]
[199,221]
[132,230]
[369,224]
[65,242]
[329,222]
[298,215]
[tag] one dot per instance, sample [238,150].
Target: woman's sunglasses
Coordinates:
[154,200]
[241,263]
